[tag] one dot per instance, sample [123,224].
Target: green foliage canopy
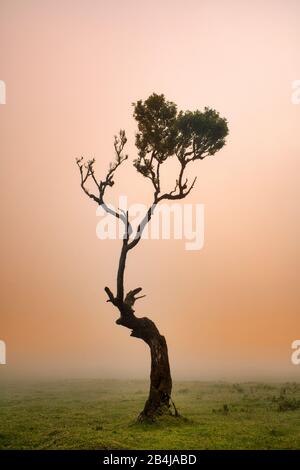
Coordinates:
[164,132]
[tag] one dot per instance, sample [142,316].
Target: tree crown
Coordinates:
[164,132]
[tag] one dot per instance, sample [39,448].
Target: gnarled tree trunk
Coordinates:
[159,399]
[160,377]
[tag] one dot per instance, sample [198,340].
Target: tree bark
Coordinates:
[159,400]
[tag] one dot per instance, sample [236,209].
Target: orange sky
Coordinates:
[72,70]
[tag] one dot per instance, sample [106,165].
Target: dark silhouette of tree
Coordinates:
[163,132]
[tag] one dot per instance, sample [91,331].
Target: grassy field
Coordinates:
[95,414]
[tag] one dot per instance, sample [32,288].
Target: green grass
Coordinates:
[98,414]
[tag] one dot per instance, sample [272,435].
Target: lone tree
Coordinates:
[163,132]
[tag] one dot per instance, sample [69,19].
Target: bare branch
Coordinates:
[131,296]
[141,227]
[111,297]
[119,144]
[87,172]
[180,191]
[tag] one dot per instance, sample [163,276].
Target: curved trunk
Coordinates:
[159,399]
[160,379]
